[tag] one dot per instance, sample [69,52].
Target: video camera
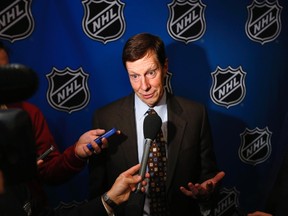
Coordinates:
[17,142]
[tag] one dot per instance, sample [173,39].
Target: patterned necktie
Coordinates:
[157,170]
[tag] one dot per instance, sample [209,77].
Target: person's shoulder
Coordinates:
[188,102]
[118,103]
[33,111]
[30,107]
[24,105]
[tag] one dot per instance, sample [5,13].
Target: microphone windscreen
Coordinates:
[152,125]
[17,83]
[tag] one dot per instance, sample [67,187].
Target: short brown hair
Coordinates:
[138,45]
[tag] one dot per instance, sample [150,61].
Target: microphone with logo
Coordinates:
[151,127]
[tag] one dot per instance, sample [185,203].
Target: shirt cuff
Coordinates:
[107,208]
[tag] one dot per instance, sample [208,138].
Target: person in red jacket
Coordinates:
[61,165]
[58,167]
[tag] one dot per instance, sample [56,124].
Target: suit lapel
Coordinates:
[176,127]
[127,126]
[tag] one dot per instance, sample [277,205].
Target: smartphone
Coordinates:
[46,153]
[99,139]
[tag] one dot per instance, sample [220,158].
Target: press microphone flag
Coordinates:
[17,83]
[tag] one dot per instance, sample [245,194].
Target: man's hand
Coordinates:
[202,191]
[81,149]
[125,183]
[259,213]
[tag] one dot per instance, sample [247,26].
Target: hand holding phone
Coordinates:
[99,139]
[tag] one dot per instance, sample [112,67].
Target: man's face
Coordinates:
[3,57]
[147,78]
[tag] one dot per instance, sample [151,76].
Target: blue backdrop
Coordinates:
[229,55]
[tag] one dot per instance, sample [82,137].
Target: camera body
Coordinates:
[17,147]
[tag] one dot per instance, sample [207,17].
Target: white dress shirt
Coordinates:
[140,113]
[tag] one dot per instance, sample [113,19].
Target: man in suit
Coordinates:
[192,173]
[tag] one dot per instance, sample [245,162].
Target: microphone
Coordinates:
[17,83]
[151,127]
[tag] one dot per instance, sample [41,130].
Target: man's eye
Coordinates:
[134,76]
[151,74]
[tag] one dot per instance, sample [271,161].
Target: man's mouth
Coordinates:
[147,96]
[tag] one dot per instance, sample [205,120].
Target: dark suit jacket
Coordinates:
[277,203]
[190,151]
[278,200]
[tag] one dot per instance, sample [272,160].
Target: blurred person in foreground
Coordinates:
[58,167]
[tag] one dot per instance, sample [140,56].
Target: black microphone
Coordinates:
[17,83]
[151,127]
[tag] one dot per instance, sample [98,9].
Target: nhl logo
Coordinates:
[264,22]
[69,205]
[167,82]
[228,202]
[228,87]
[186,21]
[103,20]
[255,145]
[68,90]
[16,19]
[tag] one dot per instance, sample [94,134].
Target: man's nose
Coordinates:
[145,83]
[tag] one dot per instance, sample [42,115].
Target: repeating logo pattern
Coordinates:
[186,21]
[16,21]
[68,90]
[64,207]
[103,20]
[255,145]
[228,86]
[264,21]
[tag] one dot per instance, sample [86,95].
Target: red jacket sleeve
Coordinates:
[57,167]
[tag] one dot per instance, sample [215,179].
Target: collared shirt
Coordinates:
[140,113]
